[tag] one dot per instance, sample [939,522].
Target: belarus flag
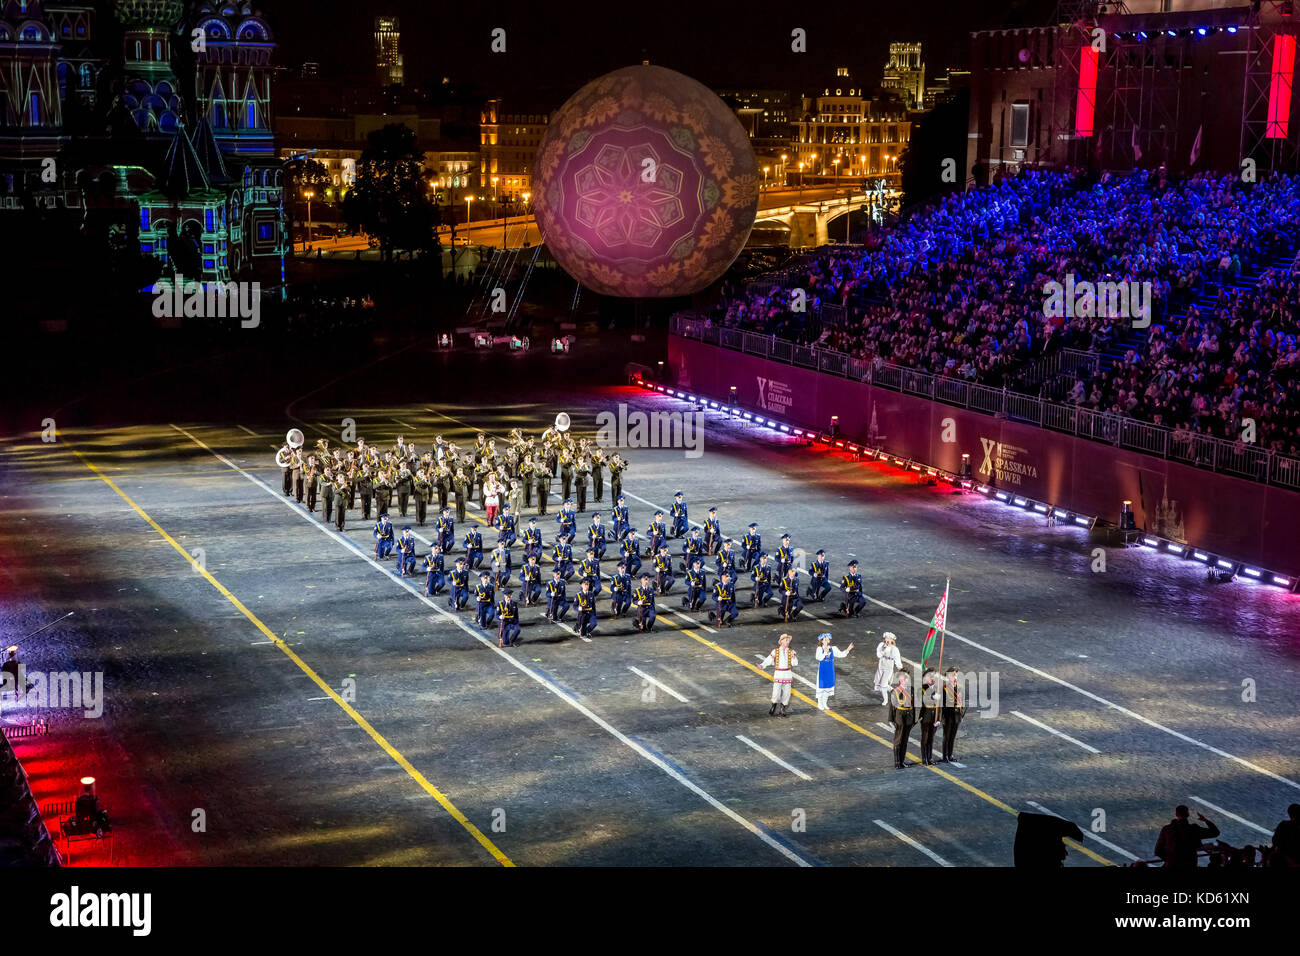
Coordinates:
[938,624]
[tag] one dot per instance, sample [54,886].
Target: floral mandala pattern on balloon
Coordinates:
[645,184]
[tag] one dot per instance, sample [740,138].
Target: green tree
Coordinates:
[390,199]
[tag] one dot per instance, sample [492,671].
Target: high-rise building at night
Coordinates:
[388,54]
[905,72]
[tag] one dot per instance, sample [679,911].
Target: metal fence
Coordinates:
[1202,451]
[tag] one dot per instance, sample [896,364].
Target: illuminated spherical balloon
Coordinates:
[645,184]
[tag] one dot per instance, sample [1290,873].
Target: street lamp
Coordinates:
[766,169]
[783,159]
[309,193]
[801,182]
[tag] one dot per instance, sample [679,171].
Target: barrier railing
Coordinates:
[1202,451]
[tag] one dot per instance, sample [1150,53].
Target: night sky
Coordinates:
[558,44]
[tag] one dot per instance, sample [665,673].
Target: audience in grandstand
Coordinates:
[957,289]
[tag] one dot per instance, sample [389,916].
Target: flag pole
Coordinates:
[944,629]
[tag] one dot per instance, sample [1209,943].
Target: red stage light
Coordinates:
[1279,86]
[1086,104]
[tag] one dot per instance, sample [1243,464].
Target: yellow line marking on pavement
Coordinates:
[365,725]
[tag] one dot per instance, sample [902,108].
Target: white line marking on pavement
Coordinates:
[1086,832]
[250,431]
[402,423]
[543,681]
[1099,699]
[910,842]
[320,698]
[1232,816]
[692,622]
[660,684]
[1051,730]
[773,757]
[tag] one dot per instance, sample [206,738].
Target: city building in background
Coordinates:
[388,53]
[905,74]
[180,157]
[844,133]
[510,132]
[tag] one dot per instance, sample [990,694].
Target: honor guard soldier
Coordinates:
[474,548]
[751,546]
[365,488]
[485,597]
[506,535]
[596,536]
[445,527]
[726,560]
[502,566]
[542,480]
[562,555]
[620,590]
[928,701]
[782,660]
[459,586]
[567,520]
[423,492]
[692,548]
[724,600]
[697,585]
[557,604]
[644,599]
[508,615]
[632,553]
[435,577]
[586,609]
[761,575]
[532,539]
[712,532]
[952,710]
[590,569]
[656,534]
[677,511]
[582,472]
[406,553]
[819,577]
[902,714]
[383,537]
[341,494]
[327,495]
[313,484]
[404,487]
[784,556]
[664,570]
[791,603]
[617,465]
[851,585]
[383,490]
[530,580]
[622,523]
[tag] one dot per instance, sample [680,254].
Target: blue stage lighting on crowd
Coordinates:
[1201,31]
[1171,33]
[1232,29]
